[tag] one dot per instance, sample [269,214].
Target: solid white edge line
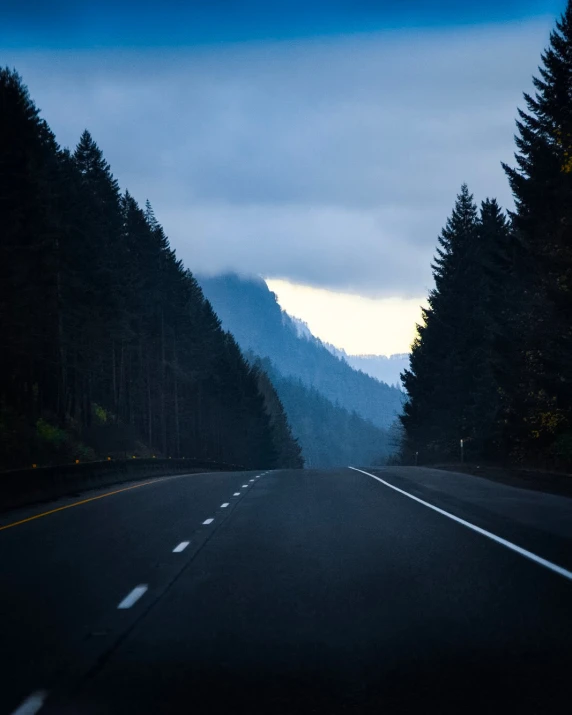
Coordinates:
[224,506]
[31,704]
[208,521]
[181,547]
[133,596]
[499,540]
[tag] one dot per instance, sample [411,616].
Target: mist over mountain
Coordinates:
[250,311]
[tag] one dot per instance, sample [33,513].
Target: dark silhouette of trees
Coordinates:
[491,362]
[108,344]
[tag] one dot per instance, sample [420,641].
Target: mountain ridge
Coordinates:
[251,312]
[384,368]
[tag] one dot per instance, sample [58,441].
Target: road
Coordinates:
[340,591]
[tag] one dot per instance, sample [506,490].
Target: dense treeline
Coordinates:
[108,344]
[492,362]
[329,435]
[287,447]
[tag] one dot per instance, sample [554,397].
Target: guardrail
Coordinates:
[22,487]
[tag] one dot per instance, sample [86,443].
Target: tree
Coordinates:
[542,188]
[439,380]
[102,275]
[28,256]
[491,355]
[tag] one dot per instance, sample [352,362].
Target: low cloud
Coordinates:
[332,163]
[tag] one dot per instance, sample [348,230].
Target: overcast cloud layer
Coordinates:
[331,163]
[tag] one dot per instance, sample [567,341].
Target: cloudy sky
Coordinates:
[318,144]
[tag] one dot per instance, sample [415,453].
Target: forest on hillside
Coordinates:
[109,347]
[328,434]
[491,364]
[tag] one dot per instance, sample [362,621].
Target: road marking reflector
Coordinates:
[208,521]
[181,547]
[31,704]
[499,540]
[133,597]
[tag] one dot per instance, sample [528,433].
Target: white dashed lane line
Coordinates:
[133,596]
[32,704]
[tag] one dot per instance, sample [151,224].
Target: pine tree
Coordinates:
[103,275]
[28,259]
[439,381]
[492,292]
[542,187]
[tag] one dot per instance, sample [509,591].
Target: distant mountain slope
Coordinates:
[329,435]
[385,369]
[250,311]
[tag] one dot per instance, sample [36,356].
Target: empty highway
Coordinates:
[394,590]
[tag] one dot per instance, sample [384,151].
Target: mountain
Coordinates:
[250,311]
[385,369]
[328,434]
[382,368]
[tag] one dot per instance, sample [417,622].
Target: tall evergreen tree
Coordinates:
[102,277]
[490,361]
[439,382]
[28,261]
[542,187]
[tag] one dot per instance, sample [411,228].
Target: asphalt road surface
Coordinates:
[378,591]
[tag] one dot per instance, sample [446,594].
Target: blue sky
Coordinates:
[317,144]
[140,23]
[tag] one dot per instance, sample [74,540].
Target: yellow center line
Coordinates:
[85,501]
